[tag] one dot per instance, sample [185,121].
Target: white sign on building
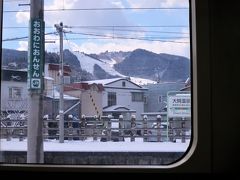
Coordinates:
[179,104]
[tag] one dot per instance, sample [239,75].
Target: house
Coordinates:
[14,91]
[71,105]
[156,96]
[52,89]
[90,96]
[121,96]
[52,70]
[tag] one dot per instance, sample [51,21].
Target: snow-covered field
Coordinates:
[97,146]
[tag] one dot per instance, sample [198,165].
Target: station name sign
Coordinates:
[179,104]
[36,55]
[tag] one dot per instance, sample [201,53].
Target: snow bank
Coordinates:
[97,146]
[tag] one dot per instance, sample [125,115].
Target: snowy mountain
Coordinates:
[140,65]
[159,67]
[89,64]
[111,57]
[104,68]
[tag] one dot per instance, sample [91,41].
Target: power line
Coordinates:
[132,30]
[103,9]
[108,26]
[21,27]
[24,37]
[122,37]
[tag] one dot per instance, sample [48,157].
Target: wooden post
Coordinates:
[159,119]
[95,128]
[133,126]
[183,131]
[109,128]
[8,131]
[82,127]
[121,135]
[70,127]
[145,131]
[21,134]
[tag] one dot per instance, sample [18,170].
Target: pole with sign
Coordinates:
[35,83]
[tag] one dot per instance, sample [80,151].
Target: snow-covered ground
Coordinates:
[97,146]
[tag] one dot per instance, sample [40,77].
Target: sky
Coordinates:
[160,26]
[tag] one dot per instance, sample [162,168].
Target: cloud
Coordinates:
[104,18]
[22,17]
[157,3]
[182,49]
[118,4]
[23,46]
[85,17]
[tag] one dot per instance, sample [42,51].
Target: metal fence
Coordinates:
[104,128]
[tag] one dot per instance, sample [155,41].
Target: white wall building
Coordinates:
[120,96]
[13,90]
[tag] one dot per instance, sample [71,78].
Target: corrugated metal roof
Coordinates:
[55,67]
[82,86]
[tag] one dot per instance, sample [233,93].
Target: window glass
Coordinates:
[137,96]
[96,82]
[15,93]
[112,98]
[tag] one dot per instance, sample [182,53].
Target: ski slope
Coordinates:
[87,63]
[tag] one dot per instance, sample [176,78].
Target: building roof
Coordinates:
[55,95]
[55,67]
[187,88]
[82,86]
[117,108]
[106,82]
[14,75]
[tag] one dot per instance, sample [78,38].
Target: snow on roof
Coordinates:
[96,146]
[104,81]
[117,108]
[137,81]
[56,95]
[48,78]
[141,81]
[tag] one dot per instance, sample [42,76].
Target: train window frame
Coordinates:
[194,106]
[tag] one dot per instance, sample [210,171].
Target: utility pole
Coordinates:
[35,82]
[59,28]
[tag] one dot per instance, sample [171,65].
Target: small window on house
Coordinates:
[15,93]
[137,97]
[123,84]
[112,98]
